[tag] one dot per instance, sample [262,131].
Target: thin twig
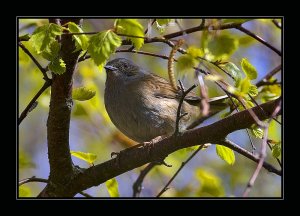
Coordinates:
[256,37]
[276,23]
[43,70]
[180,168]
[33,100]
[262,153]
[179,115]
[268,75]
[137,186]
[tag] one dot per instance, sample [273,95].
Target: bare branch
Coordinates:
[276,23]
[43,70]
[262,152]
[268,76]
[137,186]
[33,100]
[180,168]
[256,37]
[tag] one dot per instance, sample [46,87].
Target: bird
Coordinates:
[143,106]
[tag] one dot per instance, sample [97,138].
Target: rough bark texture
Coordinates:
[58,124]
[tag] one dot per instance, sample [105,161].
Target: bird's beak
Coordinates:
[109,67]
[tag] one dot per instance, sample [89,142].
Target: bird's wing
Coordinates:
[162,88]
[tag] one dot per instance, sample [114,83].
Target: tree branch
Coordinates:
[33,100]
[180,168]
[246,31]
[43,70]
[58,124]
[136,157]
[268,76]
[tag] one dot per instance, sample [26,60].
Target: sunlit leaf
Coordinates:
[102,45]
[211,185]
[163,21]
[112,187]
[186,62]
[195,52]
[213,77]
[57,66]
[88,157]
[131,27]
[249,69]
[225,154]
[83,93]
[43,36]
[257,131]
[253,91]
[234,71]
[245,85]
[81,41]
[222,47]
[24,191]
[276,150]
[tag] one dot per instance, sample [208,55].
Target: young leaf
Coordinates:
[43,36]
[163,21]
[186,62]
[81,41]
[257,131]
[131,27]
[225,154]
[213,77]
[57,66]
[234,71]
[88,157]
[249,69]
[253,91]
[112,187]
[245,85]
[222,47]
[195,52]
[276,150]
[24,191]
[102,45]
[83,93]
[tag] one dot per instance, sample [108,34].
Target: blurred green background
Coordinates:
[92,131]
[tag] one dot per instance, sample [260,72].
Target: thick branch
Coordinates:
[137,157]
[58,124]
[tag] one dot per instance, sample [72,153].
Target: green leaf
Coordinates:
[253,91]
[112,187]
[43,36]
[238,21]
[257,131]
[24,191]
[225,154]
[222,47]
[276,150]
[186,62]
[249,69]
[131,27]
[83,93]
[88,157]
[81,41]
[211,185]
[57,66]
[245,85]
[102,45]
[195,52]
[25,37]
[234,71]
[163,21]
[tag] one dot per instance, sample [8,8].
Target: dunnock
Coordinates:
[144,106]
